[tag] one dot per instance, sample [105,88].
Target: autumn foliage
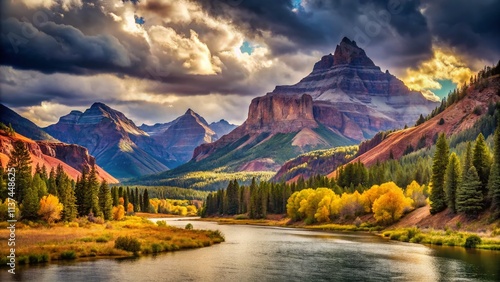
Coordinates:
[50,208]
[118,212]
[387,202]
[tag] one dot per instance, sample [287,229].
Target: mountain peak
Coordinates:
[190,112]
[346,40]
[102,106]
[346,53]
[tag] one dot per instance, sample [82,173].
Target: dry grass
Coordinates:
[98,240]
[156,215]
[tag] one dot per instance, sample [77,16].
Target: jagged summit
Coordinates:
[346,53]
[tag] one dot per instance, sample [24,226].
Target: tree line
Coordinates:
[469,186]
[259,199]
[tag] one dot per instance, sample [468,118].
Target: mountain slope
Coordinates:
[222,127]
[126,150]
[22,125]
[110,137]
[184,134]
[344,100]
[456,118]
[73,158]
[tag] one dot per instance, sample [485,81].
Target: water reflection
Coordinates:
[253,253]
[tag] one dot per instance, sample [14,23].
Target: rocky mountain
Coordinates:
[344,100]
[353,96]
[23,125]
[184,134]
[73,158]
[110,137]
[126,150]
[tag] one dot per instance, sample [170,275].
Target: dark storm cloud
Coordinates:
[60,48]
[88,41]
[322,23]
[472,27]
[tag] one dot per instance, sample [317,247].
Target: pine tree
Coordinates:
[20,160]
[31,204]
[45,176]
[60,178]
[232,198]
[67,198]
[51,183]
[125,199]
[453,177]
[145,198]
[39,186]
[467,160]
[91,201]
[482,162]
[114,192]
[440,162]
[105,201]
[469,195]
[420,120]
[136,200]
[494,179]
[252,204]
[80,187]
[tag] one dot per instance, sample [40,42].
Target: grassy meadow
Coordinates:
[133,236]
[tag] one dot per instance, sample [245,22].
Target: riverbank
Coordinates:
[134,236]
[419,226]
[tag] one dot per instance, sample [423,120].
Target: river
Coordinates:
[254,253]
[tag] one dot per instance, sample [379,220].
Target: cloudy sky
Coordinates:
[154,59]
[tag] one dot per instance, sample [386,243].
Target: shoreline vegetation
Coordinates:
[479,238]
[134,236]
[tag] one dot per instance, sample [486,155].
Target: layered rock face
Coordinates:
[346,93]
[352,95]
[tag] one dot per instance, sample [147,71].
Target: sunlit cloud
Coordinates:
[444,65]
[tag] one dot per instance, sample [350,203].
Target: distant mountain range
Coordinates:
[119,146]
[344,100]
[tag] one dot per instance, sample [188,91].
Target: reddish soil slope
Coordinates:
[457,117]
[72,157]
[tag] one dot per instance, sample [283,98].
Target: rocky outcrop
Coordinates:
[280,114]
[74,155]
[72,158]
